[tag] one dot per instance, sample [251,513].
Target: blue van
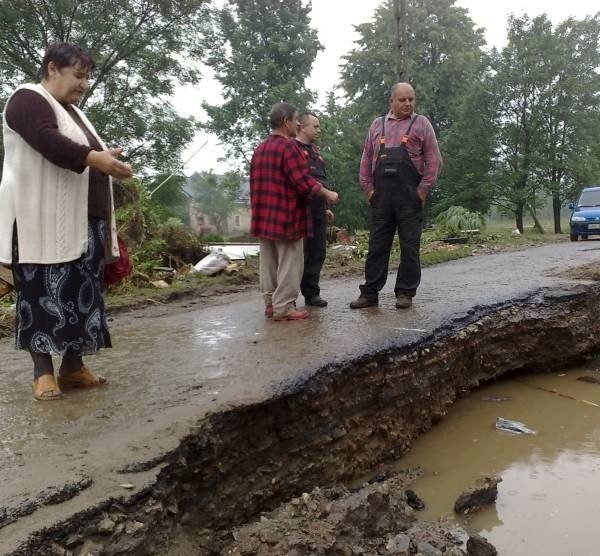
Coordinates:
[585,218]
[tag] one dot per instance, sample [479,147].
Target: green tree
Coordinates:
[522,70]
[571,115]
[261,53]
[216,195]
[143,49]
[341,145]
[470,148]
[547,85]
[170,199]
[443,58]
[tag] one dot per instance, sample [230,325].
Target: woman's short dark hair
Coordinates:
[281,112]
[64,55]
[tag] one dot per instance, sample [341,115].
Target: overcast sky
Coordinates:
[334,20]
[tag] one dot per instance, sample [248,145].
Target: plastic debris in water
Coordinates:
[514,427]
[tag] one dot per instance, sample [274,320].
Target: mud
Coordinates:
[48,497]
[347,409]
[548,496]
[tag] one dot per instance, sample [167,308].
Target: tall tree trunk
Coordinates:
[556,206]
[519,217]
[536,222]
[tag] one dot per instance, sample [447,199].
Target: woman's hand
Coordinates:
[107,162]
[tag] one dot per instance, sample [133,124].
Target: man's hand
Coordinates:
[330,196]
[422,195]
[370,194]
[107,162]
[329,216]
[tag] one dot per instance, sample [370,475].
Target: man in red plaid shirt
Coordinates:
[280,186]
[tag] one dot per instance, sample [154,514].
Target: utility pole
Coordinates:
[400,12]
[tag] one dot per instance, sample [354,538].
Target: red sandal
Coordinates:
[296,314]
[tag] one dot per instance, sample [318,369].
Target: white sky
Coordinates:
[334,20]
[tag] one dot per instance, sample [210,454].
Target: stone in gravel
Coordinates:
[106,526]
[454,551]
[91,548]
[399,545]
[479,546]
[134,527]
[74,541]
[427,549]
[413,500]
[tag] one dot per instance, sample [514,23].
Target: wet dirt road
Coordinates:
[171,365]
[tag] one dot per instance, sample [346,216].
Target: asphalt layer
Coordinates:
[173,364]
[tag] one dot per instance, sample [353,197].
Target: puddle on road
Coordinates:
[549,497]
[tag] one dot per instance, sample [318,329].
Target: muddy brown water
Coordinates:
[549,497]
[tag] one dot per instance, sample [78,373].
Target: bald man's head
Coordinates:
[402,100]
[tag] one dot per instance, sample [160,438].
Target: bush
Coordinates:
[213,238]
[181,242]
[456,219]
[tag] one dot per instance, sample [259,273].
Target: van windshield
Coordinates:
[589,199]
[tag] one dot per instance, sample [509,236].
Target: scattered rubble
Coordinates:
[482,494]
[590,379]
[478,546]
[47,497]
[376,519]
[413,500]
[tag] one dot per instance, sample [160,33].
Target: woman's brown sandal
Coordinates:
[82,378]
[45,389]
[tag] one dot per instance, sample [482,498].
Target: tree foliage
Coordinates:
[341,143]
[143,49]
[170,199]
[469,148]
[443,52]
[261,53]
[216,195]
[546,85]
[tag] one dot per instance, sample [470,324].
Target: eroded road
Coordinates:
[172,365]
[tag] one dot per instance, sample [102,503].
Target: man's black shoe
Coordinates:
[315,301]
[403,301]
[362,302]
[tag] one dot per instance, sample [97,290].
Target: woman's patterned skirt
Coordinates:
[60,307]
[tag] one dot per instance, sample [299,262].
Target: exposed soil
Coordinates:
[325,428]
[584,272]
[375,519]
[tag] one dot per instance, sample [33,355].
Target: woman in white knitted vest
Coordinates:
[57,225]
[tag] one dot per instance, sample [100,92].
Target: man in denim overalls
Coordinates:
[400,164]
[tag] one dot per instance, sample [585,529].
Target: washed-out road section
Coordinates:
[173,365]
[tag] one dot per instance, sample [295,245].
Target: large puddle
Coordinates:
[549,497]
